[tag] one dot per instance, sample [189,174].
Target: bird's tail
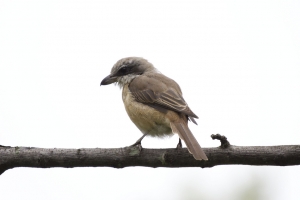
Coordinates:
[187,136]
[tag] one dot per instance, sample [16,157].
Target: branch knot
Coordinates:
[224,142]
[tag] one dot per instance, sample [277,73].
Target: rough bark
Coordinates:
[11,157]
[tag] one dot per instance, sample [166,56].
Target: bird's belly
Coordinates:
[149,120]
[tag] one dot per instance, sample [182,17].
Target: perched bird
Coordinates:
[154,102]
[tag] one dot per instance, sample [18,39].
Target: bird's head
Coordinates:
[126,69]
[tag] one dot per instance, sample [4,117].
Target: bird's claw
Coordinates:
[137,144]
[179,145]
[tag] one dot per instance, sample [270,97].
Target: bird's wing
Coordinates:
[160,91]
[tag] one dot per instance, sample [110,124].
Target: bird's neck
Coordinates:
[123,80]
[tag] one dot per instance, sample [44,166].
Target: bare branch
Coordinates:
[11,157]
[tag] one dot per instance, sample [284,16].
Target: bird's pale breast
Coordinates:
[147,119]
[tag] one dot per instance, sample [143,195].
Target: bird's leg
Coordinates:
[179,145]
[139,142]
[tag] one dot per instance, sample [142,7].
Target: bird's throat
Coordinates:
[123,80]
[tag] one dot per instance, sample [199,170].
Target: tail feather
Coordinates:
[186,135]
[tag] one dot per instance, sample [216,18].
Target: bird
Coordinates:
[154,102]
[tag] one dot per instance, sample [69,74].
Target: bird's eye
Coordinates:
[123,70]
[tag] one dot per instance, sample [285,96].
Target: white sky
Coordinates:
[237,63]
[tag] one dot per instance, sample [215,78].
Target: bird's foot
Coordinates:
[179,145]
[138,143]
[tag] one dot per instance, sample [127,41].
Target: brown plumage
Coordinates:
[154,102]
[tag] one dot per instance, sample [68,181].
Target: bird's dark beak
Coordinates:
[108,80]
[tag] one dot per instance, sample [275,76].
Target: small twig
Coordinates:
[224,142]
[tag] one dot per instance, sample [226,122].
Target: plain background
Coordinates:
[237,63]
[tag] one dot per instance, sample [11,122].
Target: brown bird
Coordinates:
[154,102]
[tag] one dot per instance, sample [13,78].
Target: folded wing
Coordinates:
[165,94]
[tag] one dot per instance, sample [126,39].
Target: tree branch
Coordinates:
[11,157]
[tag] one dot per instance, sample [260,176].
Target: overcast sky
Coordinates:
[237,62]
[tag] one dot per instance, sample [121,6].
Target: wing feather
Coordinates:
[153,91]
